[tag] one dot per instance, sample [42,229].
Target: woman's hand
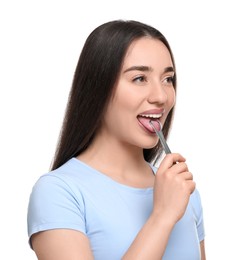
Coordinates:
[173,186]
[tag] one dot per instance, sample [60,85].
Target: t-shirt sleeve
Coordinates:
[198,211]
[53,204]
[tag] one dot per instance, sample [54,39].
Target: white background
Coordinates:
[40,42]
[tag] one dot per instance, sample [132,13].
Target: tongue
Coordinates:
[145,122]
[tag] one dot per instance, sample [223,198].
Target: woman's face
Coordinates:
[144,90]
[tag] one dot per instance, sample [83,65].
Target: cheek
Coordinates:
[171,98]
[120,114]
[117,111]
[124,101]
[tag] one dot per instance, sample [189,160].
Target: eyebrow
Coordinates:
[169,69]
[140,68]
[147,68]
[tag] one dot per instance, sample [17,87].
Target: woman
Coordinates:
[102,198]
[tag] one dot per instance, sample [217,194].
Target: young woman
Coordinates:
[104,198]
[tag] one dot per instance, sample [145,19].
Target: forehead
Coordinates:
[147,51]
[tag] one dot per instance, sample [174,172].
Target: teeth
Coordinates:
[151,115]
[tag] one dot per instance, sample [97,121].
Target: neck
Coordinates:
[119,161]
[113,153]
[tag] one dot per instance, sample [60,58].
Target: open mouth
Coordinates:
[145,118]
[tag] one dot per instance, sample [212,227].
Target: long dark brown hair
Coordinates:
[93,84]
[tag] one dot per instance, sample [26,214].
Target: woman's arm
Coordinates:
[173,187]
[151,241]
[61,244]
[203,253]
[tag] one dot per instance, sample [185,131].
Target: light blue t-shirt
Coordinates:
[76,196]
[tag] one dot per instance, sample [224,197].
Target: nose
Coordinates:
[158,93]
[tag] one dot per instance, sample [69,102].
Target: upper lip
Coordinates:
[155,113]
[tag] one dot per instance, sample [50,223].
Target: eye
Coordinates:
[140,79]
[169,80]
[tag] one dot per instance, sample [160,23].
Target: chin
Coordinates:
[149,145]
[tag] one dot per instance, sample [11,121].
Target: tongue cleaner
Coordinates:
[158,131]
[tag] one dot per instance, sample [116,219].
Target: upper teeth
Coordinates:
[151,115]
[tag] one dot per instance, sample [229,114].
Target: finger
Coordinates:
[179,167]
[187,176]
[192,186]
[171,159]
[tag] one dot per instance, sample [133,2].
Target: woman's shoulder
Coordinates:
[67,172]
[196,204]
[64,179]
[195,197]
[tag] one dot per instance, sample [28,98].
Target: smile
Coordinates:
[153,116]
